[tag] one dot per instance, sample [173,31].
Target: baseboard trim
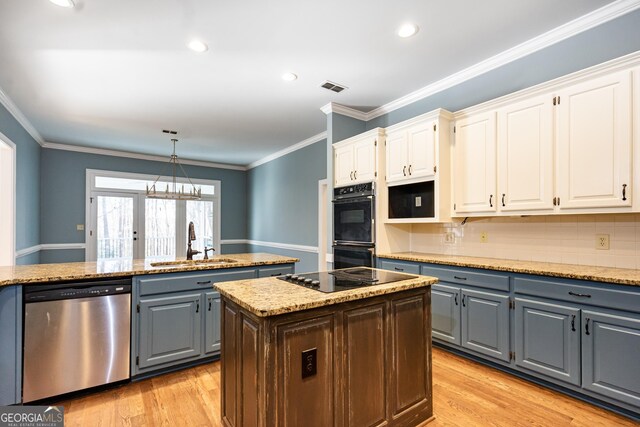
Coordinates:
[49,246]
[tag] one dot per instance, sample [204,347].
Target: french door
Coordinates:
[130,226]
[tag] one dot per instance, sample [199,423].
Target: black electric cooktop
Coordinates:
[344,279]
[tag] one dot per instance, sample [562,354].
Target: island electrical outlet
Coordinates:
[309,362]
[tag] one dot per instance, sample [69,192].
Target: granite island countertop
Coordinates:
[44,273]
[621,276]
[270,296]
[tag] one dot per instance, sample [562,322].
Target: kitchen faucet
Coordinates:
[192,237]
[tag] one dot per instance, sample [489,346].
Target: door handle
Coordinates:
[586,327]
[579,295]
[455,299]
[464,303]
[398,269]
[351,175]
[573,322]
[624,191]
[355,175]
[490,200]
[197,306]
[404,170]
[204,283]
[503,199]
[209,304]
[409,169]
[459,278]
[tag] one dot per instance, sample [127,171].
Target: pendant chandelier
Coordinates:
[172,190]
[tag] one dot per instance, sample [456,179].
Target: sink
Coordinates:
[185,262]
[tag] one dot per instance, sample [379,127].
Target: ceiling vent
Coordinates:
[170,132]
[335,87]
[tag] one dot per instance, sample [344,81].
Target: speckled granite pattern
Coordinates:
[43,273]
[621,276]
[270,296]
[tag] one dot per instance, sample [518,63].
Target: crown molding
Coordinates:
[21,118]
[343,110]
[130,155]
[551,37]
[290,149]
[622,63]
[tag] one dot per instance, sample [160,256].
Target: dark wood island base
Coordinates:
[358,363]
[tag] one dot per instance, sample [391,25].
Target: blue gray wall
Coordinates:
[608,41]
[27,184]
[283,202]
[62,196]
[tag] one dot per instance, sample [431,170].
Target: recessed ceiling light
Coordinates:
[197,46]
[289,77]
[407,30]
[63,3]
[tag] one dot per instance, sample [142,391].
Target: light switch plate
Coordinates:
[80,227]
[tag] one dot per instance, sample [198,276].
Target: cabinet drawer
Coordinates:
[579,293]
[275,271]
[403,267]
[165,283]
[498,282]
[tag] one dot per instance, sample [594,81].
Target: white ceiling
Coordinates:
[112,73]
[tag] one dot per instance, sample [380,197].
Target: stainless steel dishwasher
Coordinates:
[76,336]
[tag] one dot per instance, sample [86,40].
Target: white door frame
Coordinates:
[8,200]
[322,224]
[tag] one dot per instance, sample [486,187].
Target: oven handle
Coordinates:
[354,244]
[352,199]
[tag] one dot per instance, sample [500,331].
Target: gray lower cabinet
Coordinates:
[400,266]
[445,313]
[547,339]
[176,316]
[611,355]
[170,329]
[485,323]
[11,348]
[212,323]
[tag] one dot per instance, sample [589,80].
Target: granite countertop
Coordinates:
[43,273]
[621,276]
[270,296]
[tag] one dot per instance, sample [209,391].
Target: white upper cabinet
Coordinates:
[525,155]
[474,152]
[595,143]
[411,152]
[355,159]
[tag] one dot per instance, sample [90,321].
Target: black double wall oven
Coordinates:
[354,226]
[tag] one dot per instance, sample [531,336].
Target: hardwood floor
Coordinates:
[465,394]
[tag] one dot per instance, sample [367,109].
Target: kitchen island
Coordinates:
[297,356]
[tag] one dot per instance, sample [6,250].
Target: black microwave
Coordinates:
[412,200]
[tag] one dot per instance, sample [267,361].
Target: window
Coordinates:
[125,224]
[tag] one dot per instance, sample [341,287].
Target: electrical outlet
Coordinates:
[449,237]
[602,242]
[484,237]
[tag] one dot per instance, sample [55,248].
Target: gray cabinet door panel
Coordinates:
[170,329]
[611,356]
[548,339]
[485,323]
[11,348]
[212,323]
[445,313]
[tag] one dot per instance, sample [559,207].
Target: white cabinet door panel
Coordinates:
[364,160]
[422,150]
[475,164]
[343,166]
[594,143]
[525,155]
[397,152]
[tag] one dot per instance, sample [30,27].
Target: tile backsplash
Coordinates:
[568,239]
